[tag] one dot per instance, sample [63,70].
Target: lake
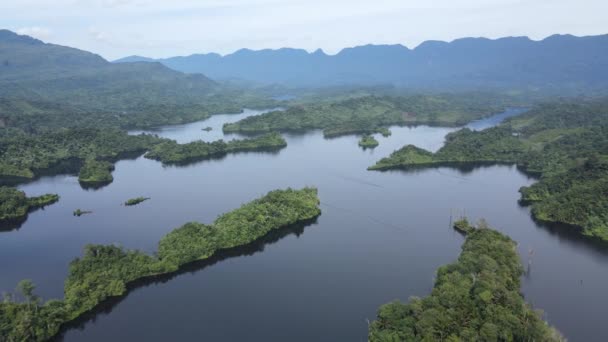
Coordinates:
[380,237]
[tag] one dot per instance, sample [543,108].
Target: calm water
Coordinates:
[381,237]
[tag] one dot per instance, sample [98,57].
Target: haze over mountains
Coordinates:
[559,61]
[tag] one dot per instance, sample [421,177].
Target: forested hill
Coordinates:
[559,62]
[36,70]
[47,86]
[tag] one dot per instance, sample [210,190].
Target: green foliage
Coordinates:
[368,141]
[14,204]
[30,155]
[576,197]
[384,131]
[475,299]
[135,201]
[408,155]
[462,225]
[565,143]
[368,114]
[96,172]
[106,271]
[170,152]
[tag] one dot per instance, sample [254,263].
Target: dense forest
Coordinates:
[27,156]
[369,114]
[105,271]
[170,152]
[477,298]
[565,143]
[368,141]
[15,205]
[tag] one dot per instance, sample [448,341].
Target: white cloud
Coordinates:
[41,33]
[160,28]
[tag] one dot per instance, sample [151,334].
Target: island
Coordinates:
[80,212]
[105,271]
[565,144]
[369,114]
[207,129]
[170,152]
[15,205]
[368,141]
[472,300]
[136,201]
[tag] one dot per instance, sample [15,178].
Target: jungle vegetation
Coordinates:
[565,143]
[170,152]
[368,141]
[477,298]
[368,114]
[136,200]
[96,172]
[105,271]
[25,156]
[15,205]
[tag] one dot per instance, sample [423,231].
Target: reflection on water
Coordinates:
[380,237]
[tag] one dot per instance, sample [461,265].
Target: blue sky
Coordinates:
[162,28]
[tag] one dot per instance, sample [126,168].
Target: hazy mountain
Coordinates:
[557,61]
[32,69]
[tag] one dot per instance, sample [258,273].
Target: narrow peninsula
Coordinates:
[170,152]
[105,270]
[15,205]
[566,144]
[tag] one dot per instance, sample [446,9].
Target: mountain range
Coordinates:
[558,61]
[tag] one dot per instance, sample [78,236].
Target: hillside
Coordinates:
[51,86]
[559,62]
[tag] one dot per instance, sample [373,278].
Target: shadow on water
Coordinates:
[572,235]
[464,168]
[107,306]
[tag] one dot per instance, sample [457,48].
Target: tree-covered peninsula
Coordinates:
[25,156]
[105,271]
[368,114]
[15,205]
[477,298]
[96,172]
[368,141]
[566,144]
[170,152]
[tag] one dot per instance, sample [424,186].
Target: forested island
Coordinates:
[136,201]
[477,298]
[564,143]
[368,141]
[105,271]
[15,205]
[170,152]
[371,114]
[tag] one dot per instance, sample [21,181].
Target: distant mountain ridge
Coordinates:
[556,61]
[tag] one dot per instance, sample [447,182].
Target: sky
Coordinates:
[164,28]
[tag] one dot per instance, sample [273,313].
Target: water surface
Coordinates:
[381,237]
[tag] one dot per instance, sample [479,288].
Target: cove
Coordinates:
[380,237]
